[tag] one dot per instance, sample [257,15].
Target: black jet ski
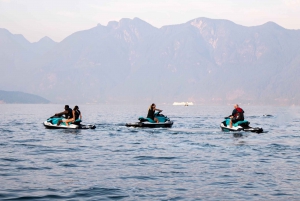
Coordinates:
[164,122]
[51,123]
[239,126]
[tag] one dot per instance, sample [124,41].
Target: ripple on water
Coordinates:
[193,160]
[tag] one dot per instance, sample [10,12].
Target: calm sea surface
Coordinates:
[194,160]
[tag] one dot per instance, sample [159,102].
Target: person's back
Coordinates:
[69,114]
[151,113]
[77,113]
[78,116]
[238,114]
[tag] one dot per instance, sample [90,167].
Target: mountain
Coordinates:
[16,56]
[203,60]
[20,97]
[43,45]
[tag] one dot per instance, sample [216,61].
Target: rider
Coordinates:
[68,114]
[151,112]
[237,115]
[76,114]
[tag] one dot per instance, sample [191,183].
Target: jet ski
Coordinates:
[164,122]
[239,126]
[51,123]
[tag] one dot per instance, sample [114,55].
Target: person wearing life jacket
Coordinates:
[237,115]
[68,114]
[77,113]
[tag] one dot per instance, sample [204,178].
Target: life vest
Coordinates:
[239,115]
[151,114]
[77,114]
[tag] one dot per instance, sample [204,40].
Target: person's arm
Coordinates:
[232,115]
[61,113]
[158,110]
[80,116]
[73,112]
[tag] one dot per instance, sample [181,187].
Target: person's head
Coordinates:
[152,106]
[76,107]
[236,106]
[66,107]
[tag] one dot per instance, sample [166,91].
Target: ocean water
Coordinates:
[193,160]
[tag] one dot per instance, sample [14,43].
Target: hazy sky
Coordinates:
[60,18]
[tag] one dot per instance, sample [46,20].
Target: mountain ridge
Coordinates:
[203,60]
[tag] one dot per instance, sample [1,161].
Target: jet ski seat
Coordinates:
[227,122]
[55,120]
[142,119]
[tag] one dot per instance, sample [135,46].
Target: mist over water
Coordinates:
[192,160]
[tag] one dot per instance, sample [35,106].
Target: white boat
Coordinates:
[183,103]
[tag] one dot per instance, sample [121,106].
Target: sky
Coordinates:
[58,19]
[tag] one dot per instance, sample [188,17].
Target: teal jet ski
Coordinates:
[164,122]
[239,126]
[51,123]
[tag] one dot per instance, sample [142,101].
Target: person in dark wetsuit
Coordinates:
[76,114]
[237,115]
[151,112]
[68,114]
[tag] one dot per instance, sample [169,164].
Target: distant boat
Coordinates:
[183,103]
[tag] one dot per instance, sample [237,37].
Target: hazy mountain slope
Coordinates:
[13,54]
[44,45]
[16,54]
[219,60]
[20,97]
[92,62]
[203,60]
[251,57]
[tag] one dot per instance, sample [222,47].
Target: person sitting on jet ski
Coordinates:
[76,114]
[237,115]
[151,112]
[68,114]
